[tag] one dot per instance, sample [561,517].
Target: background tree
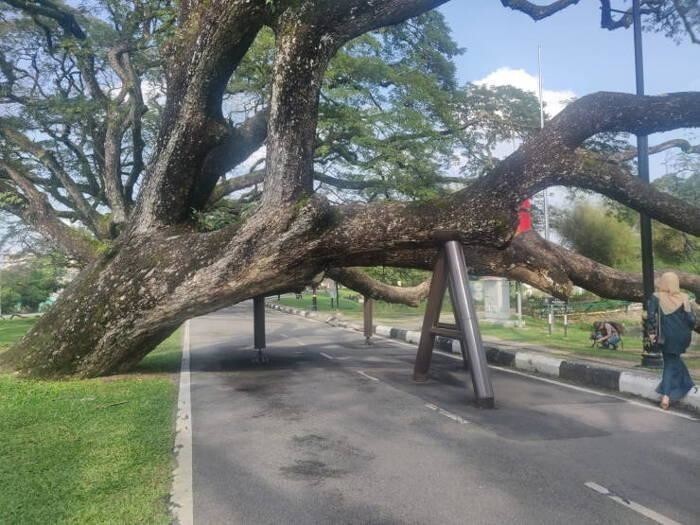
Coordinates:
[593,232]
[27,284]
[119,132]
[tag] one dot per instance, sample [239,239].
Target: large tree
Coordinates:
[117,139]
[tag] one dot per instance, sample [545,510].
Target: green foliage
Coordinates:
[26,286]
[674,246]
[671,247]
[392,112]
[392,276]
[591,231]
[10,198]
[224,213]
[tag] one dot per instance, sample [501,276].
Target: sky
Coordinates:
[578,56]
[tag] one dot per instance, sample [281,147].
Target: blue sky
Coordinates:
[578,56]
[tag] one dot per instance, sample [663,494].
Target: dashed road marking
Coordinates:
[447,413]
[363,374]
[578,388]
[640,509]
[327,356]
[596,393]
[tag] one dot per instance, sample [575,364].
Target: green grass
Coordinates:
[576,340]
[89,451]
[535,330]
[12,330]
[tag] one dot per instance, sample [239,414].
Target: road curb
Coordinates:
[599,376]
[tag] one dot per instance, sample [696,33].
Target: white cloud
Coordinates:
[554,101]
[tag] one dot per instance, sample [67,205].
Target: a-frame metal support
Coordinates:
[259,326]
[451,268]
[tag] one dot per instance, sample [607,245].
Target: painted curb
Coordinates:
[538,363]
[583,373]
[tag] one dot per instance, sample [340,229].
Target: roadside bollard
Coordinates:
[367,310]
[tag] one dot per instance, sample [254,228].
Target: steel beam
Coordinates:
[436,293]
[468,324]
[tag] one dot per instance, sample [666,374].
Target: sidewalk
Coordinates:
[610,374]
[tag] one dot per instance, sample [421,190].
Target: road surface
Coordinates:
[333,431]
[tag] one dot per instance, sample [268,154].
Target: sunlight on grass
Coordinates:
[90,451]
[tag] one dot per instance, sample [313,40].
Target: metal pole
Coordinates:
[337,297]
[467,322]
[314,299]
[566,318]
[259,323]
[436,294]
[2,261]
[519,297]
[367,310]
[550,317]
[539,93]
[649,358]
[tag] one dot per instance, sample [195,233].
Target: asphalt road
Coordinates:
[333,431]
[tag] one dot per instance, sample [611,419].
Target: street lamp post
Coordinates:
[649,357]
[540,96]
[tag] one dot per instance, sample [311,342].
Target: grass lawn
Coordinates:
[88,451]
[535,330]
[11,331]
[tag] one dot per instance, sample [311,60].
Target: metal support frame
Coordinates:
[259,326]
[367,314]
[450,268]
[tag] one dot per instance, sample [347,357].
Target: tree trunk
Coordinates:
[125,303]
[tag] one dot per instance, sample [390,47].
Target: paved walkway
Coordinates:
[333,431]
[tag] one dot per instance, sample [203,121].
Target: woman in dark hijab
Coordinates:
[671,322]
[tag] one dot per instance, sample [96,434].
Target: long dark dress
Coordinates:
[674,338]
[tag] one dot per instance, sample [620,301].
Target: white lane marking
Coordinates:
[551,381]
[579,388]
[640,509]
[366,375]
[446,413]
[327,356]
[181,501]
[599,394]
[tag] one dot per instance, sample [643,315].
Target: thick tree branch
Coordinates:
[209,48]
[307,35]
[538,12]
[234,184]
[359,281]
[37,212]
[539,263]
[243,141]
[550,157]
[89,215]
[683,145]
[590,171]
